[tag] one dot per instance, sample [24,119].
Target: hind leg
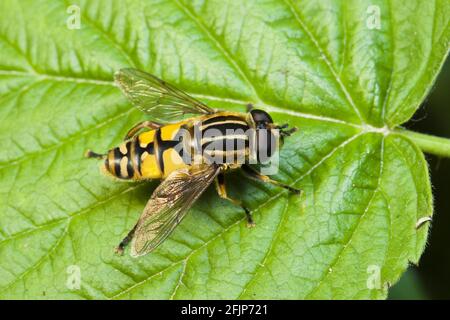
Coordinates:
[142,125]
[119,249]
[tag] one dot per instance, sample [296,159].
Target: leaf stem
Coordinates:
[427,143]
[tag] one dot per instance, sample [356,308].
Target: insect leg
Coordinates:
[252,173]
[142,125]
[249,107]
[125,241]
[222,191]
[92,154]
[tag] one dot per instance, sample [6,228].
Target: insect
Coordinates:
[186,163]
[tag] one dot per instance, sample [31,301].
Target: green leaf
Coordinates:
[323,66]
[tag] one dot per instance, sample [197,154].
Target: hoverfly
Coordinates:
[149,151]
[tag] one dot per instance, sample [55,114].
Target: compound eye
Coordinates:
[261,116]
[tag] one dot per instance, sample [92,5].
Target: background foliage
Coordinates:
[314,64]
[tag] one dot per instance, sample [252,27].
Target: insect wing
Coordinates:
[168,205]
[156,97]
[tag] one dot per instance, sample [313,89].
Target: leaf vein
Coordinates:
[220,46]
[335,261]
[325,57]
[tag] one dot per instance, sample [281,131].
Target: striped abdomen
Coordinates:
[125,161]
[145,156]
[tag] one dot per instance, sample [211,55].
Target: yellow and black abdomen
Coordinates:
[134,159]
[149,155]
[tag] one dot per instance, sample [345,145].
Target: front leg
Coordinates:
[254,174]
[222,191]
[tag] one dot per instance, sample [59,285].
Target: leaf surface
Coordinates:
[326,67]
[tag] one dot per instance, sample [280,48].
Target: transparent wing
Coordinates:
[156,97]
[168,205]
